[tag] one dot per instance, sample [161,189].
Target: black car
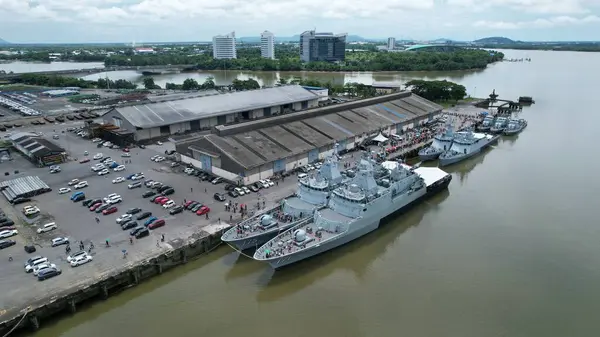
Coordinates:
[91,202]
[219,197]
[196,207]
[135,230]
[7,223]
[168,191]
[48,273]
[229,187]
[134,211]
[144,216]
[7,243]
[191,205]
[129,225]
[142,233]
[142,146]
[30,249]
[164,188]
[233,194]
[101,208]
[176,210]
[148,194]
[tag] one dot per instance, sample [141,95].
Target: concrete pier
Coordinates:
[128,276]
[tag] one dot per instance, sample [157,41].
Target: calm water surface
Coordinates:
[511,250]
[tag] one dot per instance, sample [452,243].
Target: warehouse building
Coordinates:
[245,153]
[166,118]
[40,151]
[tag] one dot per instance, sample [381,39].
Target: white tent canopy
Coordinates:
[380,138]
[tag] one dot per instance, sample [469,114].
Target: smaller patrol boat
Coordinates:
[515,126]
[466,144]
[441,143]
[499,125]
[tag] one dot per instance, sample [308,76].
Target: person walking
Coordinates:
[131,240]
[162,238]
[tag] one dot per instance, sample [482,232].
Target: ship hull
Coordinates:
[253,242]
[371,226]
[514,131]
[423,156]
[445,161]
[497,130]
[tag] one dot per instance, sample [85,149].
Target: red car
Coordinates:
[164,201]
[158,200]
[84,160]
[109,210]
[156,224]
[94,206]
[8,228]
[203,210]
[188,203]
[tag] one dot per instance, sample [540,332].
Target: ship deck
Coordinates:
[331,215]
[284,244]
[297,203]
[252,227]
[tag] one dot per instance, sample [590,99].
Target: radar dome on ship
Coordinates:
[266,219]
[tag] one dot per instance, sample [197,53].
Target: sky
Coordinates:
[139,21]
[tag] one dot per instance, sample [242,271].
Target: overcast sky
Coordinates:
[74,21]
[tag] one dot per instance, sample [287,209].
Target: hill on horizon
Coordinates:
[496,40]
[4,42]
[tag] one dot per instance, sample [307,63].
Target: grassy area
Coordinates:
[22,87]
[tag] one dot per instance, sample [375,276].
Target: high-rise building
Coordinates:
[322,46]
[224,46]
[267,45]
[391,45]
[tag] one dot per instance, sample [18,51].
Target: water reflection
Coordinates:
[356,256]
[510,140]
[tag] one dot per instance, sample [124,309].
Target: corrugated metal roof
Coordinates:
[171,112]
[23,187]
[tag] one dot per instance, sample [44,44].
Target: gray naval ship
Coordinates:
[486,124]
[355,208]
[312,193]
[499,125]
[515,126]
[466,144]
[441,143]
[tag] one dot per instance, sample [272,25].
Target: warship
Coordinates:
[355,208]
[441,143]
[466,144]
[499,125]
[515,126]
[312,193]
[486,124]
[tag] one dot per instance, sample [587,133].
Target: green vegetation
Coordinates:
[288,60]
[584,47]
[437,91]
[61,82]
[192,84]
[351,89]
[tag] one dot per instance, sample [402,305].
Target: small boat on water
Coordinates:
[515,126]
[312,194]
[441,143]
[486,124]
[466,144]
[499,125]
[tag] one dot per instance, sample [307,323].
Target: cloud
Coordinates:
[552,22]
[103,11]
[530,6]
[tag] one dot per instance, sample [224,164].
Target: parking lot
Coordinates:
[78,223]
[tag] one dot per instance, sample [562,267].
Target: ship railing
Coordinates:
[269,245]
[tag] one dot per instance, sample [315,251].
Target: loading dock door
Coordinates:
[279,166]
[206,163]
[313,155]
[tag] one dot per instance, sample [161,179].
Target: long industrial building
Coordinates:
[161,119]
[247,152]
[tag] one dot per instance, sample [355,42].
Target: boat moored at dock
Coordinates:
[355,208]
[312,193]
[441,143]
[515,126]
[486,124]
[499,125]
[466,144]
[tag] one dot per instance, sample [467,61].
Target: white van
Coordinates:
[47,227]
[302,175]
[29,267]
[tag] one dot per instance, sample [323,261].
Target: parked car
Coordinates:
[96,205]
[123,219]
[7,243]
[47,227]
[64,190]
[48,273]
[102,208]
[134,231]
[33,262]
[118,180]
[233,194]
[142,233]
[219,197]
[137,184]
[176,210]
[148,194]
[73,182]
[203,210]
[144,216]
[129,225]
[7,233]
[150,220]
[217,180]
[60,241]
[168,191]
[168,204]
[133,210]
[81,184]
[76,255]
[156,224]
[82,259]
[109,210]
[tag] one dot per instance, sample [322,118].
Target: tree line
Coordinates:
[62,82]
[289,60]
[437,90]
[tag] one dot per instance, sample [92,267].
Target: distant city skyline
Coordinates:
[105,21]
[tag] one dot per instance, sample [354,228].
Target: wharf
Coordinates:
[179,252]
[409,152]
